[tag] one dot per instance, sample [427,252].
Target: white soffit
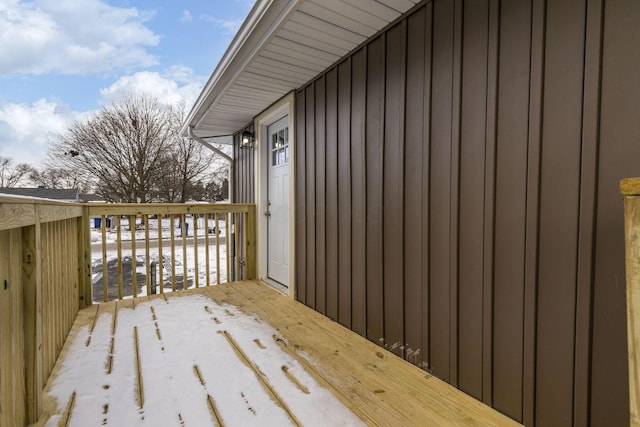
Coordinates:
[281,46]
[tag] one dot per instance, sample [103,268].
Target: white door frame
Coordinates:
[283,107]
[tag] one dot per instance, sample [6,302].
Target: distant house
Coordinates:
[67,195]
[442,178]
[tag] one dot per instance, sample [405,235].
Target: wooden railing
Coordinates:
[52,254]
[143,249]
[42,266]
[630,189]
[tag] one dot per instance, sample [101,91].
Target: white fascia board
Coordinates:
[263,21]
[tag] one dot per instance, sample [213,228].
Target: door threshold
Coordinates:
[276,285]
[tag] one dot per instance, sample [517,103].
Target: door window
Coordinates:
[280,147]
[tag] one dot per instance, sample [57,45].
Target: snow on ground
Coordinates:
[180,266]
[192,333]
[125,232]
[178,261]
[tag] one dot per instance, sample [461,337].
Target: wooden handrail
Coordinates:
[630,189]
[164,208]
[18,212]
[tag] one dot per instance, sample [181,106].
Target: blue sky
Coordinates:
[60,60]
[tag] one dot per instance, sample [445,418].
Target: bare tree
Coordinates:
[13,174]
[185,165]
[121,150]
[56,177]
[218,188]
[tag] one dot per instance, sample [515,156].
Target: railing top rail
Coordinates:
[164,208]
[18,211]
[630,187]
[14,199]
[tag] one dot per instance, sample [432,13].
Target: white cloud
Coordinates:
[230,26]
[72,37]
[177,85]
[186,16]
[27,129]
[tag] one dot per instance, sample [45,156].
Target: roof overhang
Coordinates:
[282,45]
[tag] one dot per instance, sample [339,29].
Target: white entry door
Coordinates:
[278,201]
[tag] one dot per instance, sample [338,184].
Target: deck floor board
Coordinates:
[376,386]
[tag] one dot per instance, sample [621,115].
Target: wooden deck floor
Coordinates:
[376,386]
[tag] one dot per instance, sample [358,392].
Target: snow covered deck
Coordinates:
[238,354]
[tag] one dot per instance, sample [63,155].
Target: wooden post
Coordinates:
[630,189]
[32,297]
[134,272]
[84,260]
[251,242]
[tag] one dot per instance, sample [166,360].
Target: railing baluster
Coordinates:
[236,255]
[173,253]
[147,259]
[134,273]
[227,241]
[119,246]
[183,232]
[244,242]
[217,234]
[206,247]
[105,284]
[160,258]
[195,249]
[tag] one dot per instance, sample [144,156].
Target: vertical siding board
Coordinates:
[251,154]
[374,170]
[393,189]
[588,178]
[489,201]
[300,198]
[311,197]
[344,193]
[244,170]
[413,155]
[358,193]
[510,210]
[426,194]
[238,169]
[332,193]
[236,173]
[472,196]
[320,178]
[536,85]
[241,170]
[454,198]
[241,166]
[245,158]
[559,208]
[619,152]
[440,187]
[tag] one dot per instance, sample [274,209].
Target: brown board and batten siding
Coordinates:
[457,199]
[243,192]
[243,170]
